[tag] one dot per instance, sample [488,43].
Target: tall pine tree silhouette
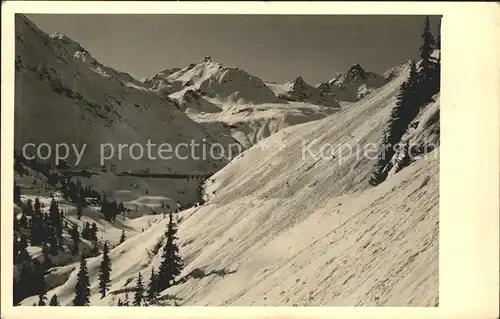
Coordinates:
[429,69]
[427,48]
[122,237]
[406,109]
[17,194]
[82,288]
[75,236]
[104,272]
[28,208]
[93,232]
[39,274]
[55,220]
[152,292]
[171,264]
[139,292]
[438,38]
[378,174]
[36,234]
[54,301]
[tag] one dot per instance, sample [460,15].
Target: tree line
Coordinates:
[170,267]
[43,229]
[418,89]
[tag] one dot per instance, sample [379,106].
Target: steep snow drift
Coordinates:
[251,124]
[63,95]
[352,85]
[283,229]
[393,72]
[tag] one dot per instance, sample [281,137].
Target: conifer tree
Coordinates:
[23,286]
[16,223]
[122,237]
[55,219]
[429,69]
[79,211]
[47,263]
[75,236]
[139,291]
[120,303]
[82,288]
[152,292]
[427,48]
[406,109]
[42,298]
[104,274]
[171,264]
[438,38]
[16,248]
[93,232]
[22,221]
[121,208]
[86,231]
[39,284]
[28,208]
[36,234]
[54,246]
[53,301]
[17,194]
[23,253]
[126,301]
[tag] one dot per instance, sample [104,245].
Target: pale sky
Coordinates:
[273,47]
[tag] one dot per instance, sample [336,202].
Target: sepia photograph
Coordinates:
[210,160]
[265,159]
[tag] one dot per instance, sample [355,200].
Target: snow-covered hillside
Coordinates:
[292,222]
[352,85]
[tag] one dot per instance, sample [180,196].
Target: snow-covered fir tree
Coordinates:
[171,264]
[82,288]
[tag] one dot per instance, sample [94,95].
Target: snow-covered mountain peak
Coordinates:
[353,84]
[297,84]
[299,90]
[228,84]
[356,73]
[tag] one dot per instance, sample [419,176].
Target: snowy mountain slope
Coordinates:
[248,120]
[352,85]
[299,90]
[59,85]
[282,229]
[393,72]
[190,101]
